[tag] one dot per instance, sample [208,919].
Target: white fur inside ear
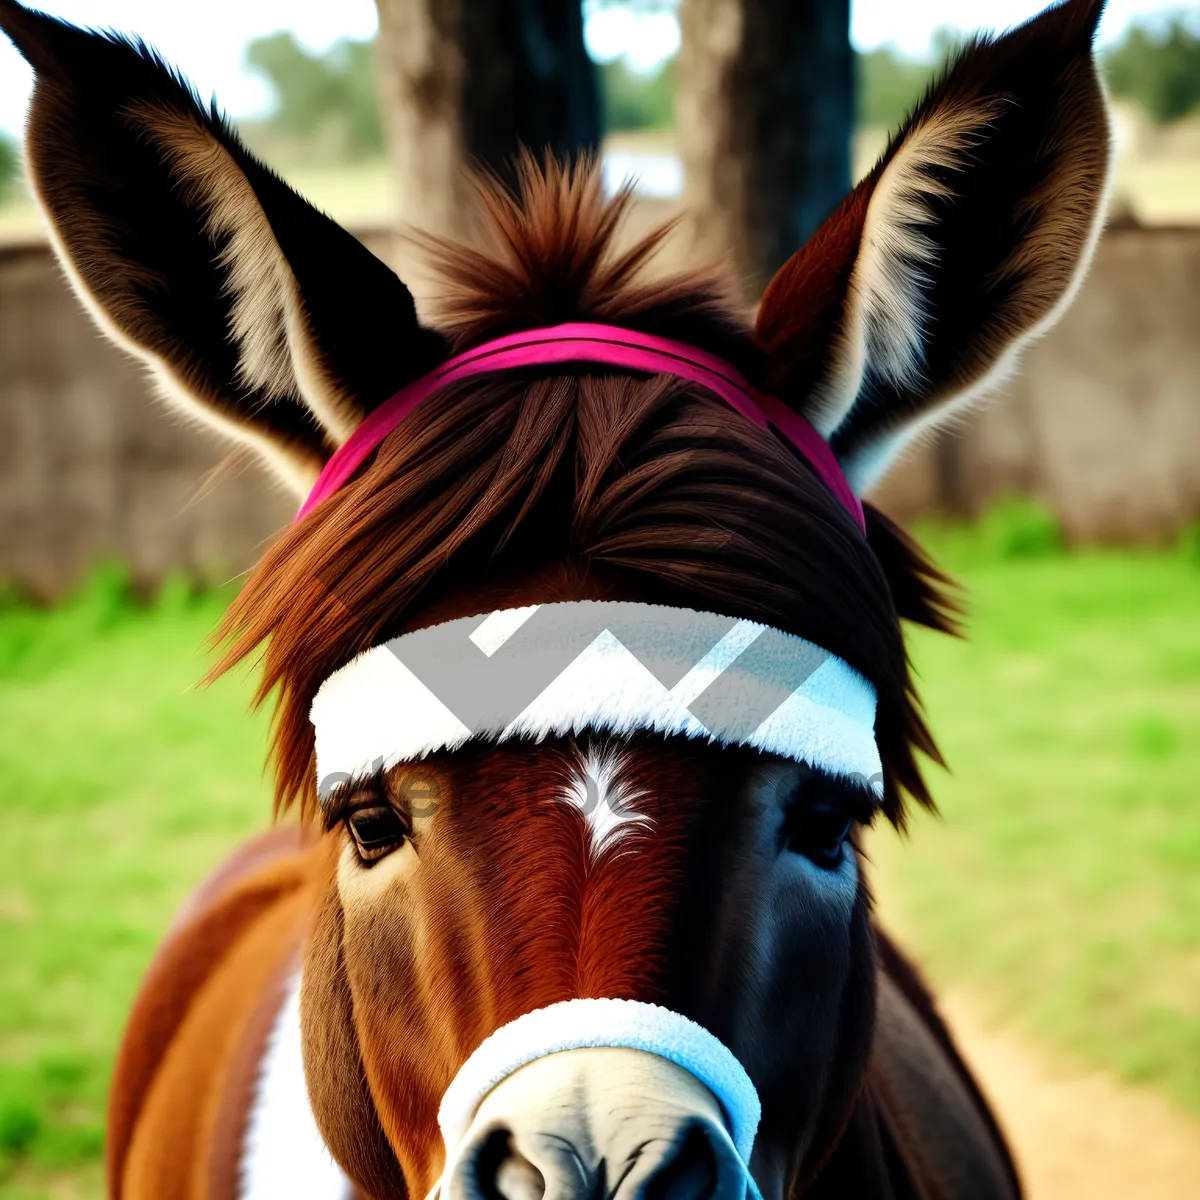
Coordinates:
[883,328]
[296,475]
[278,356]
[869,460]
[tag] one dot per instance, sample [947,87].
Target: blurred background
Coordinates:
[1055,903]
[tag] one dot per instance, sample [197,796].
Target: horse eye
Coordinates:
[819,832]
[376,831]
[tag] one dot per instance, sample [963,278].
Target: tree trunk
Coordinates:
[469,82]
[764,111]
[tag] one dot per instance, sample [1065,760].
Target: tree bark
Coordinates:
[764,113]
[470,82]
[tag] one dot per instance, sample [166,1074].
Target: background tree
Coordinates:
[764,114]
[471,81]
[329,98]
[631,99]
[1159,67]
[8,168]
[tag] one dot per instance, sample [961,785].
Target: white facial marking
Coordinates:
[605,799]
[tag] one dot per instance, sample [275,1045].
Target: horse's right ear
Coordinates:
[967,240]
[254,311]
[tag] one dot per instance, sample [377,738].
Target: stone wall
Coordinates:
[92,466]
[1103,423]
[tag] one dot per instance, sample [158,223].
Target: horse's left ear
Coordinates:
[969,238]
[254,311]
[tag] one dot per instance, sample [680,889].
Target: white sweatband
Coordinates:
[606,666]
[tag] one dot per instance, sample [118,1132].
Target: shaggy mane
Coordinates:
[592,482]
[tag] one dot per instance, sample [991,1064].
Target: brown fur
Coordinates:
[535,486]
[252,1006]
[233,1100]
[180,1044]
[174,980]
[986,203]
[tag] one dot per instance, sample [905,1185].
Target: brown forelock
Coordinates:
[548,254]
[609,485]
[511,910]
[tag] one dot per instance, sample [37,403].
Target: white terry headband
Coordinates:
[608,666]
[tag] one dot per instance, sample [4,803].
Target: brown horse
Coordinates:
[334,985]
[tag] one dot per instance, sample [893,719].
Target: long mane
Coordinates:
[649,488]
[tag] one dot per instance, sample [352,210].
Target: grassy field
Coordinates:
[1063,874]
[123,786]
[1062,881]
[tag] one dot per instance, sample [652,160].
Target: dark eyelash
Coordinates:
[858,800]
[347,797]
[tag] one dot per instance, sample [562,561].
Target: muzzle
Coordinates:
[591,1024]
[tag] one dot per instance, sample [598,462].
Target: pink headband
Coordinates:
[586,343]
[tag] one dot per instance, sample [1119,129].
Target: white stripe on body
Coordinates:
[283,1153]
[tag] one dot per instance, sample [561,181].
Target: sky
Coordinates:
[207,42]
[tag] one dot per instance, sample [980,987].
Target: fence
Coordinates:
[1103,423]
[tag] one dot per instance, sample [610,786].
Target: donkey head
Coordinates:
[467,884]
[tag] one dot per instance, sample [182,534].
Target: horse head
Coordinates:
[589,678]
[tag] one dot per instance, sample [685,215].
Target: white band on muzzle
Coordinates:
[593,1024]
[557,669]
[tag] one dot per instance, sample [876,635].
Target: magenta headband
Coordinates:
[587,343]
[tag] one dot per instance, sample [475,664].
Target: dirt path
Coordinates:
[1082,1136]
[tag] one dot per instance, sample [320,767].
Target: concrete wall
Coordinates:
[92,465]
[1103,423]
[1103,420]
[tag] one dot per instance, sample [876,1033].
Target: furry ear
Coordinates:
[255,311]
[969,238]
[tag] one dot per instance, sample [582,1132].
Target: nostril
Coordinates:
[503,1173]
[690,1173]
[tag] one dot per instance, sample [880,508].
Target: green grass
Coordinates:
[1062,882]
[1062,879]
[123,786]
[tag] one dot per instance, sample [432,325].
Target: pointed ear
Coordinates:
[254,311]
[969,238]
